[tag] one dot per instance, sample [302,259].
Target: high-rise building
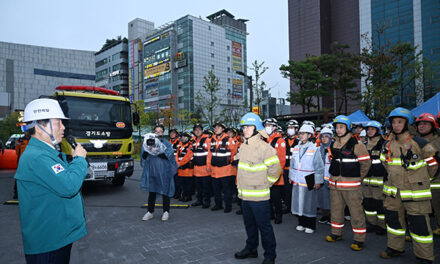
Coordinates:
[313,26]
[178,55]
[414,21]
[27,72]
[111,64]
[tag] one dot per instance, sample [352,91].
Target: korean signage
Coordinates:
[237,63]
[237,88]
[157,70]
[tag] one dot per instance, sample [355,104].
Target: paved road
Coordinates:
[117,235]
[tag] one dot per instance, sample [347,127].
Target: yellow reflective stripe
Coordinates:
[422,239]
[395,161]
[415,194]
[372,213]
[390,190]
[380,216]
[373,181]
[435,185]
[271,179]
[417,165]
[397,232]
[271,160]
[253,168]
[254,193]
[382,157]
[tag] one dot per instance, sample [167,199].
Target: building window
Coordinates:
[229,69]
[229,59]
[436,51]
[228,47]
[229,80]
[212,43]
[116,67]
[116,56]
[212,67]
[100,63]
[212,55]
[209,27]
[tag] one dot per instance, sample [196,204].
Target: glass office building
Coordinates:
[412,21]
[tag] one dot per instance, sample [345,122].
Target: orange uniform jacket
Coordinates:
[201,151]
[216,145]
[280,147]
[184,159]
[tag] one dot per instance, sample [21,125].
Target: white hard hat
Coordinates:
[307,129]
[41,109]
[326,130]
[363,133]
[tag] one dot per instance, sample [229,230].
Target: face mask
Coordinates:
[291,131]
[268,130]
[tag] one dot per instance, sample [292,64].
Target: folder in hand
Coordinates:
[310,180]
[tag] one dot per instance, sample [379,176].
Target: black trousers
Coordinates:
[223,185]
[59,256]
[308,222]
[287,194]
[152,202]
[186,183]
[203,186]
[276,192]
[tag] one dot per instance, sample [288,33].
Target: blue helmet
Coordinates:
[375,124]
[342,119]
[252,119]
[403,113]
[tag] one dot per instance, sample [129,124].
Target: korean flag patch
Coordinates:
[57,168]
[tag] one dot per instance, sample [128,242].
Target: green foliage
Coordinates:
[186,119]
[208,102]
[258,85]
[8,126]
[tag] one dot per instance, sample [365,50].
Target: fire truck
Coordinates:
[102,122]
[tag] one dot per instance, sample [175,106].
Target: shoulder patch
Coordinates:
[57,168]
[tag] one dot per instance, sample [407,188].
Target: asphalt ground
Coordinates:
[116,233]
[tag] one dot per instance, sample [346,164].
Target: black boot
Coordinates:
[278,219]
[216,207]
[204,206]
[246,253]
[198,203]
[268,261]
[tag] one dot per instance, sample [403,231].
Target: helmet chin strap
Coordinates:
[52,138]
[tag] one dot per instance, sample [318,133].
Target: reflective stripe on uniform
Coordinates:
[271,160]
[422,239]
[372,213]
[336,225]
[435,185]
[415,194]
[375,161]
[344,183]
[253,168]
[397,232]
[359,230]
[381,216]
[215,154]
[431,161]
[398,162]
[300,184]
[373,181]
[364,157]
[254,193]
[200,154]
[389,190]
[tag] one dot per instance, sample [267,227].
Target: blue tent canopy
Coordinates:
[359,117]
[431,106]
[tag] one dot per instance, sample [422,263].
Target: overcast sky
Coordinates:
[86,24]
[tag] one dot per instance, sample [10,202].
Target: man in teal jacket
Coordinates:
[51,207]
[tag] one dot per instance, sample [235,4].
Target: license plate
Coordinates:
[99,166]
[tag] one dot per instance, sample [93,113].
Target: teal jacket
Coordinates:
[50,202]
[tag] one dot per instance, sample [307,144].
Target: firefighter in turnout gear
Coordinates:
[291,141]
[258,168]
[200,148]
[373,183]
[409,162]
[427,127]
[220,156]
[349,164]
[184,158]
[276,192]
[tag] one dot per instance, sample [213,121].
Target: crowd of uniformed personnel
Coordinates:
[383,178]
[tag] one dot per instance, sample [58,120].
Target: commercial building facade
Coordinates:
[111,64]
[27,72]
[178,55]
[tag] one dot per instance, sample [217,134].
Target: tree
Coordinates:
[207,100]
[146,119]
[259,85]
[186,118]
[168,114]
[309,80]
[8,126]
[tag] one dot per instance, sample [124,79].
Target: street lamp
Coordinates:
[251,93]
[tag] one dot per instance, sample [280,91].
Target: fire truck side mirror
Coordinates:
[136,118]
